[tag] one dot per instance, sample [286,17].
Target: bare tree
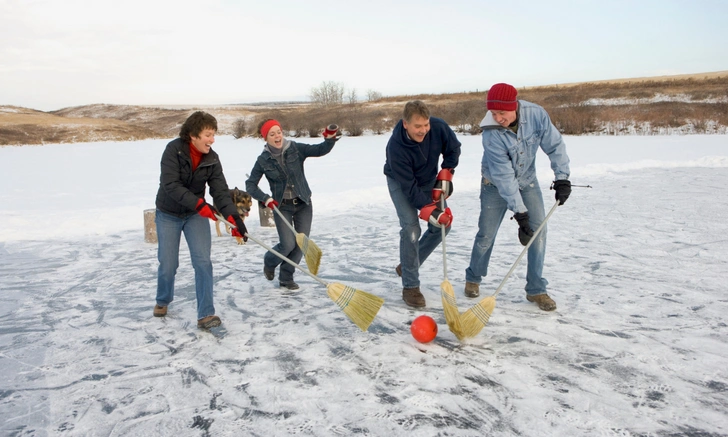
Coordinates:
[373,95]
[240,128]
[351,97]
[328,93]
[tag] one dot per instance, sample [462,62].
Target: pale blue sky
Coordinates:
[55,54]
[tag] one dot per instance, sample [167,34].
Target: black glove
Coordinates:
[563,189]
[240,230]
[524,229]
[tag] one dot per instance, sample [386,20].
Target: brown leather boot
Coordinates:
[160,311]
[413,297]
[472,289]
[398,269]
[543,300]
[209,322]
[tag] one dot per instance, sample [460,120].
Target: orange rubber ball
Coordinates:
[424,329]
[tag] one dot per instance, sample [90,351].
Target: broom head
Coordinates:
[311,252]
[361,307]
[474,319]
[450,308]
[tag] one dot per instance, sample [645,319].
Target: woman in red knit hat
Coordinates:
[282,164]
[513,131]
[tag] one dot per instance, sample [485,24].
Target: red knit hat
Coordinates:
[502,97]
[267,126]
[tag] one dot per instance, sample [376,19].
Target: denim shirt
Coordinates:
[292,174]
[509,159]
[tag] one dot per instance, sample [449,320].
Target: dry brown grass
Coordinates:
[665,78]
[26,126]
[578,108]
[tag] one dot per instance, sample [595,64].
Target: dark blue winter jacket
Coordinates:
[414,165]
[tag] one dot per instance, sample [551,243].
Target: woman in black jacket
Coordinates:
[188,165]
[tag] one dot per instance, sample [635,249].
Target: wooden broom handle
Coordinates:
[270,249]
[523,252]
[290,226]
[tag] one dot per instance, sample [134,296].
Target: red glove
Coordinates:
[330,132]
[271,203]
[240,230]
[443,185]
[435,216]
[205,210]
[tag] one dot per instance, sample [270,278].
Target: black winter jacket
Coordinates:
[180,188]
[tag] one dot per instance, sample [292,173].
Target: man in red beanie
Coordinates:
[513,131]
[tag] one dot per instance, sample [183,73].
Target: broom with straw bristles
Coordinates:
[473,320]
[359,306]
[449,303]
[311,252]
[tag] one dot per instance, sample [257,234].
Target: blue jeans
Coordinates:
[413,250]
[492,210]
[301,214]
[197,233]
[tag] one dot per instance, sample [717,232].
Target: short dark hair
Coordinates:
[195,124]
[415,107]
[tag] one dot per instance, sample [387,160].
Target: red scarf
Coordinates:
[196,156]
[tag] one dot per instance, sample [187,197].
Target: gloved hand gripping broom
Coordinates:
[474,319]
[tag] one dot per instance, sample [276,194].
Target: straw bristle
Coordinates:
[361,307]
[450,308]
[473,320]
[311,252]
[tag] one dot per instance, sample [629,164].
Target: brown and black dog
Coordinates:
[243,202]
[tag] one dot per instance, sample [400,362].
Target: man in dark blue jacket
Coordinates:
[413,154]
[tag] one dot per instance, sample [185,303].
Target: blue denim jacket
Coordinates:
[293,156]
[509,159]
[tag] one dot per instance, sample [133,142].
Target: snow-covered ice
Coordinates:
[637,265]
